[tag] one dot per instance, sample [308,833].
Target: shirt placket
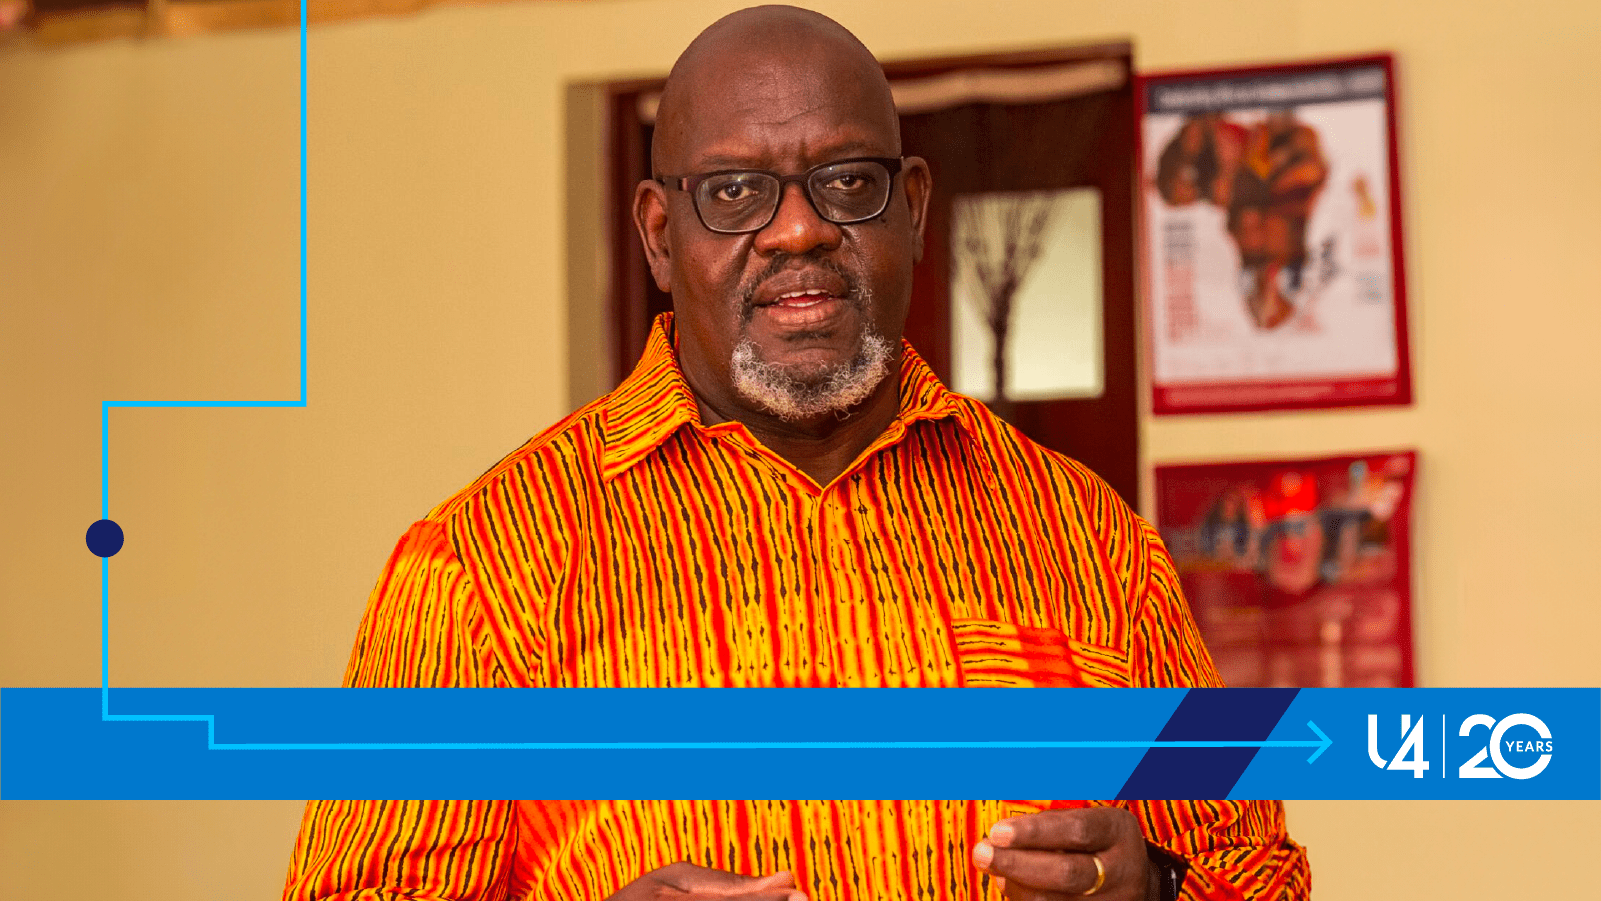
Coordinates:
[811,591]
[864,658]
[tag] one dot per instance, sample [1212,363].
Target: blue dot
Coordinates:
[104,538]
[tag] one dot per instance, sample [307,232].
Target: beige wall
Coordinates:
[148,247]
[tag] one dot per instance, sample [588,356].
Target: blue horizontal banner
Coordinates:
[807,743]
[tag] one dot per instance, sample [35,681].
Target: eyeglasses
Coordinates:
[740,201]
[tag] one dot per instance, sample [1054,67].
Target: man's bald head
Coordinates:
[774,46]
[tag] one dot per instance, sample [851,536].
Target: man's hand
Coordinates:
[684,881]
[1050,856]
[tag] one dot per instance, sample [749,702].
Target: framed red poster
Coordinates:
[1298,571]
[1271,238]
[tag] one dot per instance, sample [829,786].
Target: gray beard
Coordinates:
[835,390]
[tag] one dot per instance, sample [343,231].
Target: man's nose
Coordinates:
[796,227]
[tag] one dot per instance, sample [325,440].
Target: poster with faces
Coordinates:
[1298,572]
[1271,251]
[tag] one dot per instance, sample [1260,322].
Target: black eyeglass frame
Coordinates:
[690,184]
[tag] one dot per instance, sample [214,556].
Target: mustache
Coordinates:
[786,261]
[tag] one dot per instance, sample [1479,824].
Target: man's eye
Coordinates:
[736,190]
[848,181]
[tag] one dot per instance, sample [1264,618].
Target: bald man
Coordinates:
[783,494]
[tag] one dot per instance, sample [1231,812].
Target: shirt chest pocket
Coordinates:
[993,654]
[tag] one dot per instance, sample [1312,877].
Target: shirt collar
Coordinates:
[655,401]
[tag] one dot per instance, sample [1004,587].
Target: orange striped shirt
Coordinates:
[629,545]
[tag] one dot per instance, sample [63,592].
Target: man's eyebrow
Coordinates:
[716,162]
[707,163]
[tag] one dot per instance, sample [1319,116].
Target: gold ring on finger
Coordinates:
[1100,877]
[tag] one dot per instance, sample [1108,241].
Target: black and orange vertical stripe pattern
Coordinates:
[630,545]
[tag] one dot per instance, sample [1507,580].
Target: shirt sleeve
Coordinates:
[422,628]
[1236,850]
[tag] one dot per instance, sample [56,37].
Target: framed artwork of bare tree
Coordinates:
[1026,296]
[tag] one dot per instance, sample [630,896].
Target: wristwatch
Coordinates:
[1170,871]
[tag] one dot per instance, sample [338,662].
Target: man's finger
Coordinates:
[774,894]
[687,877]
[1084,829]
[1023,893]
[1048,871]
[782,879]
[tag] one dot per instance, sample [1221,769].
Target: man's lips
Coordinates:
[800,300]
[800,289]
[800,309]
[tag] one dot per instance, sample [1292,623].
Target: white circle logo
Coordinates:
[1518,772]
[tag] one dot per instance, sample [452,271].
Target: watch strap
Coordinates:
[1170,870]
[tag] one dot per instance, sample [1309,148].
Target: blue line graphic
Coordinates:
[105,434]
[1320,745]
[210,720]
[212,745]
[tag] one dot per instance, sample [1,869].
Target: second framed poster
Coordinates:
[1272,238]
[1298,571]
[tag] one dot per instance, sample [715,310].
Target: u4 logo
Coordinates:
[1410,757]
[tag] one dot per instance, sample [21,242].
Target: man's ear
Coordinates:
[650,217]
[918,184]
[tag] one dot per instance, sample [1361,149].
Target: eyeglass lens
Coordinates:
[746,201]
